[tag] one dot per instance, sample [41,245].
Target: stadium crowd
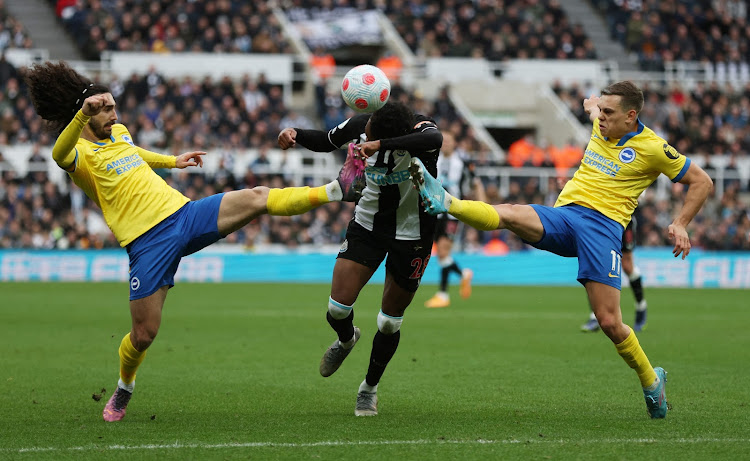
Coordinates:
[658,32]
[12,32]
[487,29]
[223,26]
[170,115]
[494,30]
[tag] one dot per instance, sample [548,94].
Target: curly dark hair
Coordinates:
[392,120]
[58,91]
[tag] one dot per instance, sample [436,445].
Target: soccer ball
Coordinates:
[365,89]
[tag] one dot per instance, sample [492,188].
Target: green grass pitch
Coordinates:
[233,374]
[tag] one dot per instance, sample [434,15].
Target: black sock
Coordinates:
[444,272]
[344,327]
[383,348]
[637,289]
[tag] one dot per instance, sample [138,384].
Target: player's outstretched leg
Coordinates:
[334,356]
[656,396]
[351,177]
[436,200]
[114,410]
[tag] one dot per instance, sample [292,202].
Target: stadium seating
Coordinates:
[12,32]
[495,31]
[664,32]
[231,117]
[227,26]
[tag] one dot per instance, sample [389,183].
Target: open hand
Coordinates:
[678,234]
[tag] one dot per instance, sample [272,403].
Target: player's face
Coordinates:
[614,122]
[101,123]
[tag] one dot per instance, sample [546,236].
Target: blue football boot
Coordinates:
[656,400]
[436,200]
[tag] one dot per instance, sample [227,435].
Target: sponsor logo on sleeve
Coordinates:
[671,152]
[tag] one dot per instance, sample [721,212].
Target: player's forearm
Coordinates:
[315,140]
[63,152]
[155,160]
[428,140]
[694,200]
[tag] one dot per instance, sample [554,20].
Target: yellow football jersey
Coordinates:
[614,172]
[115,175]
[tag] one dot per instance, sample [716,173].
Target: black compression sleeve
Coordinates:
[315,140]
[414,142]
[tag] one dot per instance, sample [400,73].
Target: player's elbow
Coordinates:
[705,182]
[62,158]
[436,139]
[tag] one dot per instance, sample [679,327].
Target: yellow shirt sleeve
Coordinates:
[64,151]
[670,162]
[155,160]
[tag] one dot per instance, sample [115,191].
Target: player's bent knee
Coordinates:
[143,337]
[609,323]
[338,310]
[257,196]
[387,324]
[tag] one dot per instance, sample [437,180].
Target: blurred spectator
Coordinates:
[322,64]
[391,65]
[713,32]
[493,30]
[12,32]
[227,26]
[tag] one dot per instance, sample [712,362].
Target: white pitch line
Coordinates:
[334,443]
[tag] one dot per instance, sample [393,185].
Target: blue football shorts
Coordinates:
[155,255]
[577,231]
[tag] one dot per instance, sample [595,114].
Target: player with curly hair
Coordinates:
[154,222]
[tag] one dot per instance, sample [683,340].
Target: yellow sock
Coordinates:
[292,201]
[478,215]
[130,358]
[630,350]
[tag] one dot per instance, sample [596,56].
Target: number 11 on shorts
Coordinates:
[616,264]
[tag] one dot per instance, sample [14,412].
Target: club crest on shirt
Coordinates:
[627,155]
[670,152]
[127,139]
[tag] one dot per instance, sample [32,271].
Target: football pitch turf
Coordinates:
[233,374]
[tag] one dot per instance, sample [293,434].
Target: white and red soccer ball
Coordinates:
[365,89]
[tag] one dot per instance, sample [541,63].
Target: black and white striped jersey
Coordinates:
[389,205]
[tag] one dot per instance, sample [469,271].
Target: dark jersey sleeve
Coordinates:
[338,137]
[424,140]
